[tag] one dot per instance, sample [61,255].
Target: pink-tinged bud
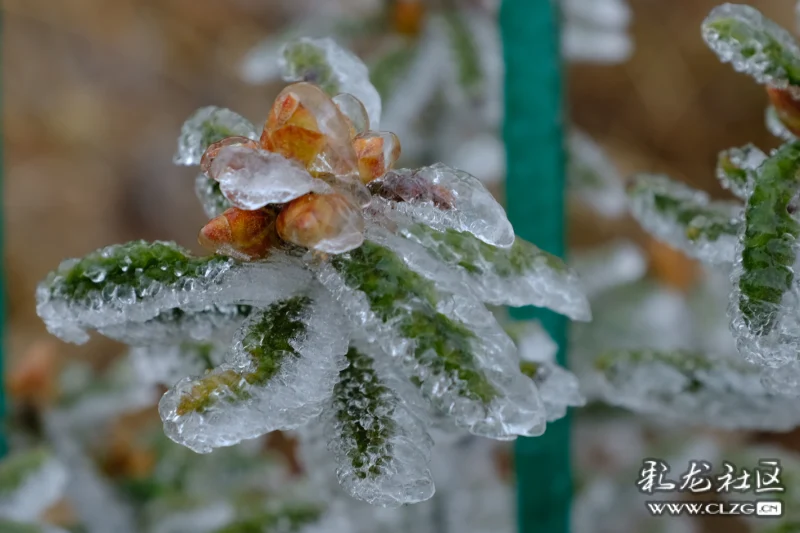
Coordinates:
[406,186]
[213,149]
[787,108]
[324,222]
[377,152]
[244,235]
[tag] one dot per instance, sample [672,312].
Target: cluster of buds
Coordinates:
[304,182]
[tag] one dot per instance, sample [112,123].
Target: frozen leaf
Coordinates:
[592,177]
[736,169]
[685,218]
[334,69]
[517,276]
[378,432]
[444,198]
[753,44]
[608,266]
[472,377]
[30,482]
[251,178]
[329,223]
[694,388]
[776,127]
[166,365]
[278,517]
[138,281]
[764,303]
[207,126]
[211,198]
[557,386]
[284,364]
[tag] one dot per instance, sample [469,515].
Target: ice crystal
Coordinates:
[686,218]
[694,388]
[753,44]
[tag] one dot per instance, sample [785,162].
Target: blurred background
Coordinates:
[95,93]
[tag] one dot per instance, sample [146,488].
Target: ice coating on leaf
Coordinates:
[138,281]
[284,364]
[685,218]
[765,301]
[445,198]
[166,365]
[753,44]
[609,265]
[207,126]
[175,326]
[736,169]
[450,347]
[211,198]
[334,69]
[558,387]
[784,380]
[694,388]
[378,432]
[592,177]
[251,179]
[30,482]
[517,276]
[776,127]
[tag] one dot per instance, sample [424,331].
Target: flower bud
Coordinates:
[324,222]
[213,149]
[244,235]
[377,152]
[787,107]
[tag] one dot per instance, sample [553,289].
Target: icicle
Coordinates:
[284,364]
[685,218]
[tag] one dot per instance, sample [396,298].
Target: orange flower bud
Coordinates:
[305,124]
[787,108]
[245,235]
[377,153]
[408,16]
[324,222]
[213,149]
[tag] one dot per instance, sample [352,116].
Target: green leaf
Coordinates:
[770,240]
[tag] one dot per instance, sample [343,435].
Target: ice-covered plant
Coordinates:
[341,291]
[754,240]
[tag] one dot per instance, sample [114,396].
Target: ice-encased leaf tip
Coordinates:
[283,366]
[736,169]
[685,218]
[753,44]
[334,69]
[206,126]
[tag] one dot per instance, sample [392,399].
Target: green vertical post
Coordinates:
[533,133]
[3,340]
